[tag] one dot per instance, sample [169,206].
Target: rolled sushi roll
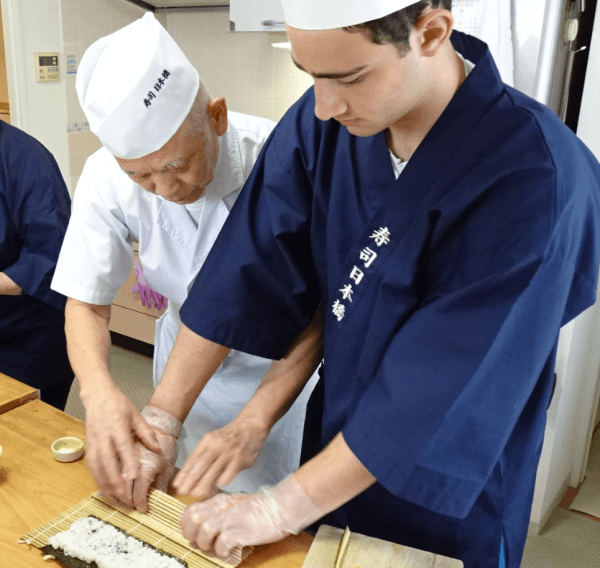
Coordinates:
[92,543]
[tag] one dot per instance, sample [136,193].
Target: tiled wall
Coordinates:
[83,22]
[252,75]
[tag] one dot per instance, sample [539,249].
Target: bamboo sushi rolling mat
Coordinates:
[159,527]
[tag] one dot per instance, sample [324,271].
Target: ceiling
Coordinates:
[158,5]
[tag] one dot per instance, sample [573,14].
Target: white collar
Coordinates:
[228,169]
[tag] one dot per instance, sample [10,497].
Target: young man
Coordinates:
[448,226]
[173,164]
[34,213]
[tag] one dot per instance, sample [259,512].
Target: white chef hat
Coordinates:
[331,14]
[136,88]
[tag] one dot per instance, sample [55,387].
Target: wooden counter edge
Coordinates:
[15,403]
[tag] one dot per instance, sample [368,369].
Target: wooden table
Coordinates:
[14,393]
[35,488]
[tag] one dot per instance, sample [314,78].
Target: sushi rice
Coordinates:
[92,540]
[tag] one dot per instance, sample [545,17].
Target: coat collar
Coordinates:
[228,170]
[426,178]
[478,93]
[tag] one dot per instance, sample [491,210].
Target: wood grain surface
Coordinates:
[366,552]
[14,393]
[35,488]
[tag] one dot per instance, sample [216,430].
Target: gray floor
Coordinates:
[568,540]
[131,372]
[588,496]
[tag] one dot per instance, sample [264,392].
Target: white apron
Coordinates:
[236,380]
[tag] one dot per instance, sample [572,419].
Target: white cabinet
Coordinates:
[256,15]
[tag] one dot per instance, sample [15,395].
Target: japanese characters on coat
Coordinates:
[380,237]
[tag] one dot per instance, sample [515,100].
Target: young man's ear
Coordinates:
[217,112]
[433,30]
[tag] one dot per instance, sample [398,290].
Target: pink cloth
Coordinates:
[147,293]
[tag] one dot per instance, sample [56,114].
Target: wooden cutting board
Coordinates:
[366,552]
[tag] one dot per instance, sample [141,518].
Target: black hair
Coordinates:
[396,27]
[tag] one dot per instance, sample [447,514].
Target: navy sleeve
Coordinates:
[267,287]
[39,208]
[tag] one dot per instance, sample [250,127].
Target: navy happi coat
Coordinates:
[444,294]
[34,213]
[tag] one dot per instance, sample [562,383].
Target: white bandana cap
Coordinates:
[332,14]
[136,88]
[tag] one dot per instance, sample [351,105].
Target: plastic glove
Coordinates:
[219,524]
[110,424]
[196,512]
[156,467]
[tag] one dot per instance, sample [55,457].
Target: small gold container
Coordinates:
[67,449]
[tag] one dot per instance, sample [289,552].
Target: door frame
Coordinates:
[15,65]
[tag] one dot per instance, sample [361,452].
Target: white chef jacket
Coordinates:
[109,210]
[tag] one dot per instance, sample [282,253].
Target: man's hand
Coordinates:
[324,483]
[220,456]
[157,468]
[223,453]
[226,522]
[111,422]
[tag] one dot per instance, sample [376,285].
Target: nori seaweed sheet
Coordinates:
[72,562]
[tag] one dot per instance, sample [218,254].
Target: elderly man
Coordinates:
[34,213]
[449,226]
[173,163]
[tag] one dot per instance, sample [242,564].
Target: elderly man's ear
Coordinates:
[217,111]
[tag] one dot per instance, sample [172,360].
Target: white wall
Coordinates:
[589,122]
[37,108]
[589,132]
[528,17]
